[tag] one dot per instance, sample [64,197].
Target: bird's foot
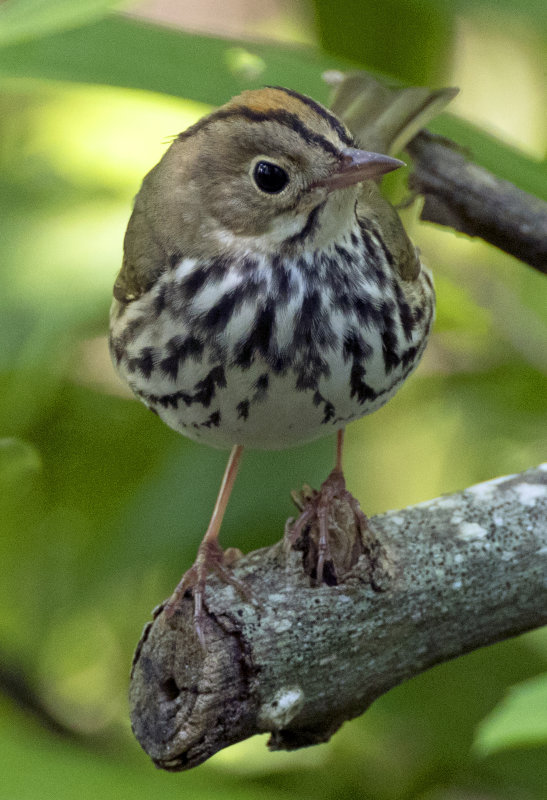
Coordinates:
[210,558]
[329,530]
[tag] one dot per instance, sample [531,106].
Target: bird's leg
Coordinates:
[318,507]
[210,555]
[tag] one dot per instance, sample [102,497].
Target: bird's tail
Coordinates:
[382,118]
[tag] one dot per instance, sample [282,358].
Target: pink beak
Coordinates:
[356,166]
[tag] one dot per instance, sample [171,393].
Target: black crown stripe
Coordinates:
[275,115]
[333,121]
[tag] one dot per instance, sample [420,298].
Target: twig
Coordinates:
[468,198]
[434,581]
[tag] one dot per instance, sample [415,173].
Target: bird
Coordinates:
[269,294]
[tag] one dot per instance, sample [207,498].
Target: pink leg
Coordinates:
[339,450]
[210,555]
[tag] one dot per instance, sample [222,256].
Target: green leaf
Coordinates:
[531,11]
[21,20]
[520,719]
[419,36]
[19,464]
[121,52]
[46,766]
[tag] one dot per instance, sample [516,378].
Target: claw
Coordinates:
[211,557]
[317,510]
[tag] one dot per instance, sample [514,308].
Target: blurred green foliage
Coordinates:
[102,507]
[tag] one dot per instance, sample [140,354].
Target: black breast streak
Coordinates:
[261,386]
[367,312]
[259,338]
[131,330]
[358,387]
[209,324]
[217,269]
[409,356]
[312,333]
[329,411]
[339,275]
[347,258]
[144,362]
[261,389]
[390,342]
[408,319]
[354,346]
[160,300]
[306,322]
[312,326]
[212,421]
[280,362]
[193,283]
[179,349]
[343,302]
[365,393]
[389,351]
[380,275]
[263,328]
[366,239]
[184,292]
[332,273]
[204,392]
[310,371]
[309,228]
[219,315]
[205,389]
[242,409]
[281,282]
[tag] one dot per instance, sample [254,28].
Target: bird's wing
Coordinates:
[383,118]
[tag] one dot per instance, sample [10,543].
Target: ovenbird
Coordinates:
[269,294]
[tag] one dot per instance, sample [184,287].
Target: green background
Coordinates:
[102,507]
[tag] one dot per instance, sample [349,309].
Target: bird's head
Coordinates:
[259,172]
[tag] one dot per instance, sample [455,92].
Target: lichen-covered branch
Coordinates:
[462,195]
[434,581]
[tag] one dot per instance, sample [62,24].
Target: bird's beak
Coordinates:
[355,166]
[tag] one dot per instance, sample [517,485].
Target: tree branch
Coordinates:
[433,581]
[468,198]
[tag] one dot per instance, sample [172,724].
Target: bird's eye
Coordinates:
[269,177]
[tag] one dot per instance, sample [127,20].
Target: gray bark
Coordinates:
[417,587]
[462,195]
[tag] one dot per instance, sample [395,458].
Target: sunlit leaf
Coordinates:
[520,719]
[21,20]
[84,689]
[534,11]
[122,52]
